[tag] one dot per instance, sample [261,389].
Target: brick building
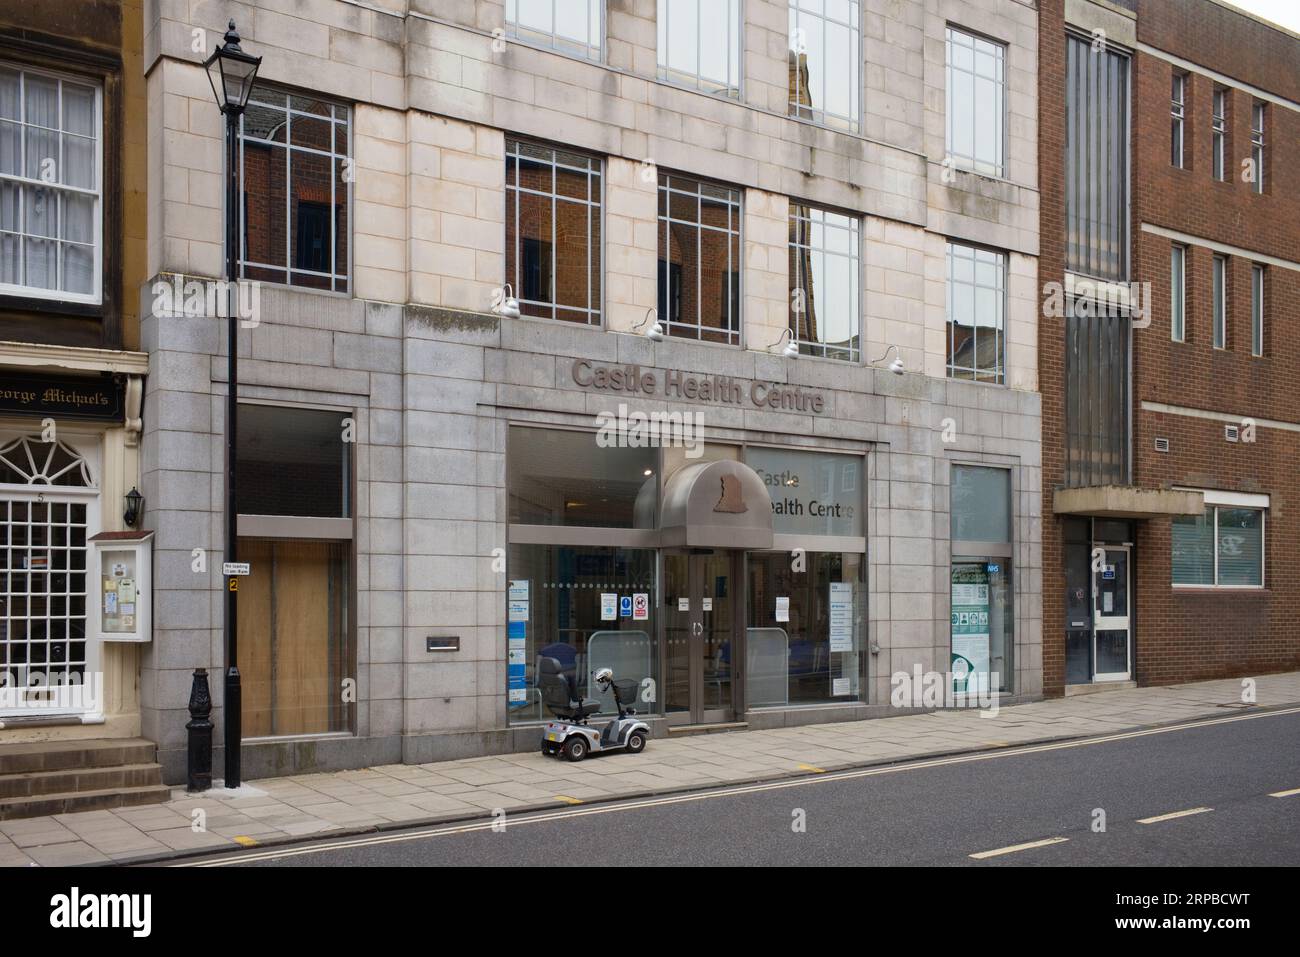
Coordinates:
[1171,426]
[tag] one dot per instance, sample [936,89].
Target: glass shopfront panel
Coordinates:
[982,625]
[557,477]
[813,493]
[806,625]
[571,610]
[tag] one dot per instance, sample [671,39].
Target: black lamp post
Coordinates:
[231,72]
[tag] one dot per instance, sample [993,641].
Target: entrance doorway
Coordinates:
[1112,632]
[700,629]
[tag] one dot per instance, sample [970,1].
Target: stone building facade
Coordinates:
[441,539]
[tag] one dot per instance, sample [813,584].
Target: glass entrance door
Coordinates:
[700,637]
[1112,632]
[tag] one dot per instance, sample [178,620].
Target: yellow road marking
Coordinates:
[1169,817]
[1019,847]
[246,841]
[1285,794]
[566,799]
[813,768]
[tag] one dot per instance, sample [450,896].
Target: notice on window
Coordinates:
[783,608]
[516,664]
[518,590]
[841,687]
[608,606]
[518,610]
[970,629]
[640,606]
[841,617]
[683,604]
[708,604]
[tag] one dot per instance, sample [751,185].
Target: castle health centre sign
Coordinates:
[813,493]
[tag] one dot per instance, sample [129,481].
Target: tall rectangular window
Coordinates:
[976,313]
[553,231]
[1257,116]
[976,103]
[699,259]
[982,607]
[1177,113]
[1178,293]
[700,43]
[824,281]
[1096,160]
[575,27]
[825,62]
[51,192]
[1256,310]
[1219,133]
[1220,303]
[294,184]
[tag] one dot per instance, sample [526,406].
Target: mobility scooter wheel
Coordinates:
[636,742]
[575,749]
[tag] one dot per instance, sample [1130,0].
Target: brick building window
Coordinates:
[1257,115]
[699,259]
[294,181]
[700,44]
[1177,114]
[1256,310]
[1224,547]
[1178,293]
[51,194]
[824,282]
[825,62]
[553,231]
[1220,281]
[976,99]
[976,313]
[1096,160]
[1219,130]
[575,27]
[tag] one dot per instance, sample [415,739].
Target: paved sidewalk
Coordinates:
[279,810]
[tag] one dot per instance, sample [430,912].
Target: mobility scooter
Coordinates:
[571,736]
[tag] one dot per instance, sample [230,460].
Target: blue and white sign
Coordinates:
[517,643]
[625,606]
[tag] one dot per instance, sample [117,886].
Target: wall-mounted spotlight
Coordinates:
[656,331]
[896,366]
[509,305]
[791,350]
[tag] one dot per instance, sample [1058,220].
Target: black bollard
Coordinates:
[199,764]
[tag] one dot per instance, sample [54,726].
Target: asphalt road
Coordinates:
[923,813]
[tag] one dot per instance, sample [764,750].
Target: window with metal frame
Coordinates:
[1258,114]
[1220,282]
[976,313]
[1097,160]
[1178,293]
[295,184]
[1222,548]
[1177,115]
[553,231]
[1257,274]
[824,283]
[976,102]
[700,44]
[51,186]
[699,259]
[826,62]
[575,27]
[1219,133]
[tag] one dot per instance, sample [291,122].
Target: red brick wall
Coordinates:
[1181,635]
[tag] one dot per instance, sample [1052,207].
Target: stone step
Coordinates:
[66,803]
[68,780]
[33,756]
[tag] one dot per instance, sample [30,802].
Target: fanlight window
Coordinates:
[30,461]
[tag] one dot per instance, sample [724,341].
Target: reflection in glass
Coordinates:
[570,26]
[825,44]
[699,259]
[975,103]
[981,504]
[976,307]
[700,44]
[559,477]
[824,282]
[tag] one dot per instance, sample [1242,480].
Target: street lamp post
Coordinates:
[231,72]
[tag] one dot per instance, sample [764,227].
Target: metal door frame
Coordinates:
[1101,622]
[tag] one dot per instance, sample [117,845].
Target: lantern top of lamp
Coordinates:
[231,72]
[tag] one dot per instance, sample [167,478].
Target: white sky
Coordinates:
[1283,12]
